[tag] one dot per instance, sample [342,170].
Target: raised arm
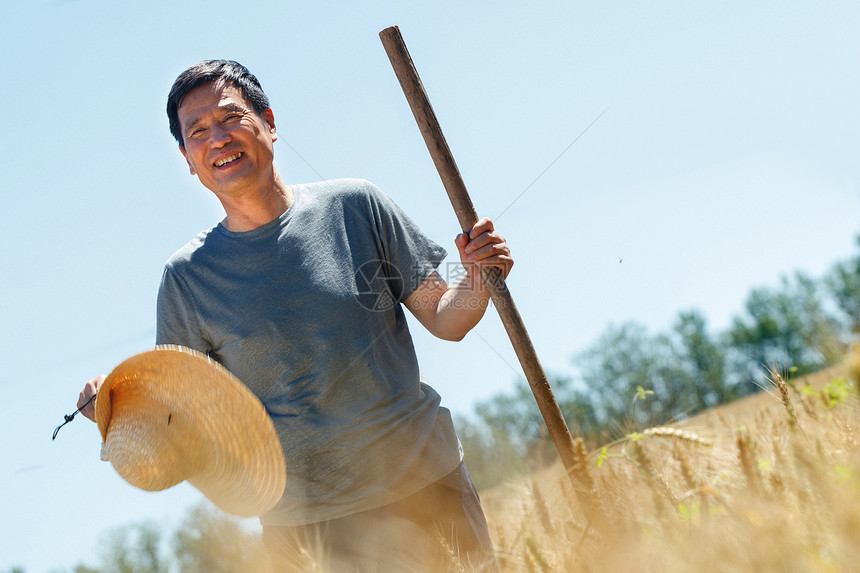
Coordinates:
[449,312]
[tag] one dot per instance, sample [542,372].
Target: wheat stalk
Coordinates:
[670,432]
[779,382]
[581,466]
[542,509]
[748,461]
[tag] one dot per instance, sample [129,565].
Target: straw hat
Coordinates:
[173,414]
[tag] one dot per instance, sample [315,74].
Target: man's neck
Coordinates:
[253,210]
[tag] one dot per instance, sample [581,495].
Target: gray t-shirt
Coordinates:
[306,311]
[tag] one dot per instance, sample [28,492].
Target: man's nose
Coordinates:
[218,136]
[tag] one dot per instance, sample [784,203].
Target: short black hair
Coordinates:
[206,72]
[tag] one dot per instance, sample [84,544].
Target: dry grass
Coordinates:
[770,483]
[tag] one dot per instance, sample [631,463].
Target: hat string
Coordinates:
[70,417]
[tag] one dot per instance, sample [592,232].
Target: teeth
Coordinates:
[228,159]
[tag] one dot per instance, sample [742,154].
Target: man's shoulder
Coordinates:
[342,189]
[185,254]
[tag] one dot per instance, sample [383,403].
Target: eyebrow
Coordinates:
[230,107]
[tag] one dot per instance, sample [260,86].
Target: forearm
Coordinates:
[460,308]
[451,312]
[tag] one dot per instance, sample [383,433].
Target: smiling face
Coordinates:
[228,145]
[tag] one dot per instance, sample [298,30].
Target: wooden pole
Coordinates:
[453,182]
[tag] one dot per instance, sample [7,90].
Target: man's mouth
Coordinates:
[230,158]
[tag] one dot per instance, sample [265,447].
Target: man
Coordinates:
[299,291]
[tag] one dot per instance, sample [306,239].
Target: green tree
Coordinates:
[515,426]
[133,549]
[703,360]
[508,434]
[577,407]
[843,284]
[788,327]
[626,358]
[209,541]
[686,369]
[490,453]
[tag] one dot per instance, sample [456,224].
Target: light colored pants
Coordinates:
[442,527]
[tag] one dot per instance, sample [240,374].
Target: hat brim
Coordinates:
[174,414]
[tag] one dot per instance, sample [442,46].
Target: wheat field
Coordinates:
[769,483]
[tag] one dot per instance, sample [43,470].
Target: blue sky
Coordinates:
[726,156]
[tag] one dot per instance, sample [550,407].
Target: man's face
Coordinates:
[227,144]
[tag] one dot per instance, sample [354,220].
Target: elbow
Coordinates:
[456,336]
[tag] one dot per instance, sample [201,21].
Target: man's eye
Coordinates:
[196,132]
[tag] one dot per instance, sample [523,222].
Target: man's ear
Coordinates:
[269,116]
[185,155]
